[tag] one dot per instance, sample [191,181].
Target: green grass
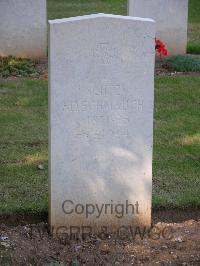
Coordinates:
[23,144]
[194,27]
[70,8]
[176,164]
[193,48]
[183,63]
[194,11]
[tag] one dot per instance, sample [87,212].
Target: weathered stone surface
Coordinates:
[101,97]
[23,28]
[171,18]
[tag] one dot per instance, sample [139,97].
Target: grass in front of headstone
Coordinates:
[23,145]
[176,164]
[24,137]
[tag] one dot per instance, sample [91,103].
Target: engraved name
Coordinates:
[104,105]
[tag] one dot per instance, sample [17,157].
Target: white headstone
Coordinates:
[101,98]
[171,18]
[23,28]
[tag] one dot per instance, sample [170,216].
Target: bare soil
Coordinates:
[168,243]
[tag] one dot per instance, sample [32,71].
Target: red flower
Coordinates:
[160,48]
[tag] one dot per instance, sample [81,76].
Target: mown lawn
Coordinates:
[70,8]
[194,22]
[176,165]
[23,145]
[24,136]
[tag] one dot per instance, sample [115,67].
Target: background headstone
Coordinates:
[23,28]
[101,97]
[171,18]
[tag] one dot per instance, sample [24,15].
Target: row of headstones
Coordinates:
[23,25]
